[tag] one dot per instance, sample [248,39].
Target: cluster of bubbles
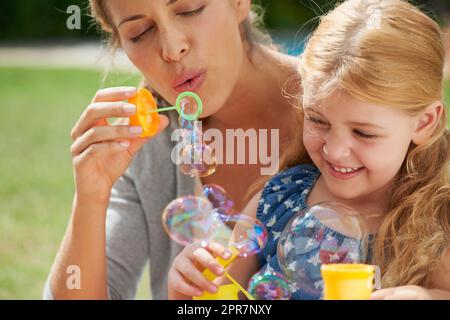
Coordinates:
[198,158]
[211,218]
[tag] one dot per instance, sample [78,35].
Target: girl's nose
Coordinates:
[174,45]
[336,149]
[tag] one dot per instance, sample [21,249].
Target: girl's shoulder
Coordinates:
[287,190]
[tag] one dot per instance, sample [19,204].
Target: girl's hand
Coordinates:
[185,276]
[100,152]
[410,293]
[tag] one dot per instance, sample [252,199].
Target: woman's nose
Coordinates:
[174,45]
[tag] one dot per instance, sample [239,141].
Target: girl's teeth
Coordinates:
[344,170]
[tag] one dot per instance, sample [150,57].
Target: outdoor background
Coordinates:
[48,75]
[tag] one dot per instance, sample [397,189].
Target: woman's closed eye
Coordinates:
[191,13]
[139,37]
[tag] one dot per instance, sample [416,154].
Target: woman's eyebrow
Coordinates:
[140,16]
[131,18]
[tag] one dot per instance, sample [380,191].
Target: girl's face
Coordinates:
[184,45]
[359,147]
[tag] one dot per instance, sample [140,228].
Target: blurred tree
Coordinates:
[46,19]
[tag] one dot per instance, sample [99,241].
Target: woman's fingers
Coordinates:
[97,113]
[102,134]
[114,94]
[136,144]
[103,149]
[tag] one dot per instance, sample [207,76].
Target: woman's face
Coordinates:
[184,45]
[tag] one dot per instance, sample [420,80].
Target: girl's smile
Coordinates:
[344,173]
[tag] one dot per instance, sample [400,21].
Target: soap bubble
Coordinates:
[187,220]
[197,160]
[218,198]
[269,286]
[248,235]
[323,234]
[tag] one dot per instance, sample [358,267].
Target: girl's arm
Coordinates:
[440,288]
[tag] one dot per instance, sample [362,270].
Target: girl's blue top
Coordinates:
[284,197]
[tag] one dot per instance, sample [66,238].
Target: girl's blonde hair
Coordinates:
[390,53]
[253,28]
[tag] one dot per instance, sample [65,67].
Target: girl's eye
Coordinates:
[139,37]
[317,121]
[365,135]
[192,13]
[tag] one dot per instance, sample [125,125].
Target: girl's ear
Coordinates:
[427,122]
[243,8]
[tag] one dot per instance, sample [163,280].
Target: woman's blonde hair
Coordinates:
[253,27]
[390,53]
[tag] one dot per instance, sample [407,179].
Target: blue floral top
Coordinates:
[282,198]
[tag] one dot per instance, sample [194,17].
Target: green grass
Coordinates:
[38,109]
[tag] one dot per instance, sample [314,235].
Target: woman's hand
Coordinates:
[185,277]
[101,152]
[410,293]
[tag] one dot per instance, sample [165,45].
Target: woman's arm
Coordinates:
[101,154]
[82,251]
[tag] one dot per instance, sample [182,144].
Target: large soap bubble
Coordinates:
[325,233]
[187,220]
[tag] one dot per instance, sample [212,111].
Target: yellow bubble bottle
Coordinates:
[349,281]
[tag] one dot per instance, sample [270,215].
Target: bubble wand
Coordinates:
[147,111]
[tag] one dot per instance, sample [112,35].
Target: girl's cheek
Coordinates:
[313,142]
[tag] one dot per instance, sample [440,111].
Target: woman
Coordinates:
[122,182]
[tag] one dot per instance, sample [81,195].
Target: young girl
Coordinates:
[375,139]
